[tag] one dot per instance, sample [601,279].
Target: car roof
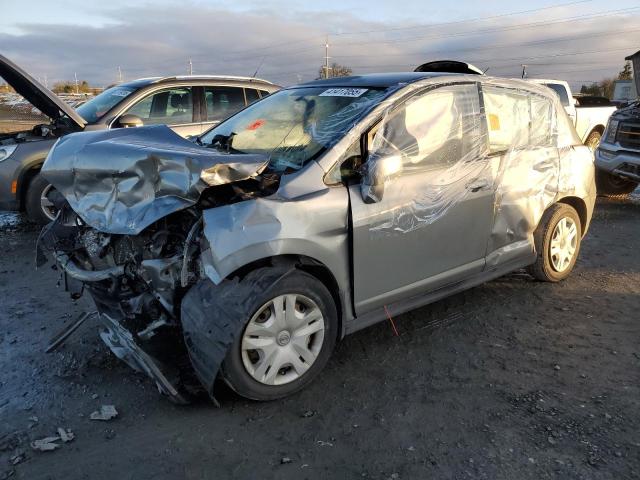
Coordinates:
[143,82]
[373,80]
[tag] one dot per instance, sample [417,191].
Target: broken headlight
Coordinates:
[612,130]
[6,151]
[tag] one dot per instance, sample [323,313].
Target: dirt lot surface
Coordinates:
[511,380]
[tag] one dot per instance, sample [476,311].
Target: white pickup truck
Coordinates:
[590,118]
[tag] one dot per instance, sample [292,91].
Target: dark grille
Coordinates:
[629,135]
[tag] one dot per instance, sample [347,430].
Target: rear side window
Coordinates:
[561,91]
[263,93]
[173,106]
[222,102]
[252,95]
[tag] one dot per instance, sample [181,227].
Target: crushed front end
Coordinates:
[137,283]
[129,231]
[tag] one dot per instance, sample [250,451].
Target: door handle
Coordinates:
[478,185]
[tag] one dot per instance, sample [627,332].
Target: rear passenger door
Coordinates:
[220,102]
[522,142]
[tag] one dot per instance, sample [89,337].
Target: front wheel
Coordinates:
[37,204]
[557,242]
[593,140]
[613,186]
[288,337]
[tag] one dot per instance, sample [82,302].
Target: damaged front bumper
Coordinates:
[125,347]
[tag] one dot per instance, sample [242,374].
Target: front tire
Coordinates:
[610,185]
[39,208]
[557,242]
[289,334]
[593,140]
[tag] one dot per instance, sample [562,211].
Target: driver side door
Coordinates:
[432,224]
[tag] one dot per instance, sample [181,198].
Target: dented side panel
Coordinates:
[313,226]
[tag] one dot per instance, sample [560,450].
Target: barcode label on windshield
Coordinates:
[343,92]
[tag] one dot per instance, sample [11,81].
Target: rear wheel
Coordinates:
[613,186]
[39,208]
[557,242]
[288,337]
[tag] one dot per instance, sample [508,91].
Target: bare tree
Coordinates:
[335,70]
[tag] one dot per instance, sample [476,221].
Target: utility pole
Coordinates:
[524,71]
[119,74]
[46,85]
[75,76]
[326,57]
[190,67]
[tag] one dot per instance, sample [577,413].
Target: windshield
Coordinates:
[293,126]
[95,108]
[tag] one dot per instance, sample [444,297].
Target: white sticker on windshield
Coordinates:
[343,92]
[120,93]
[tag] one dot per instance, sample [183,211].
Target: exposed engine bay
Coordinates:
[137,281]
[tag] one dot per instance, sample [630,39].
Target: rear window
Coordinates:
[561,91]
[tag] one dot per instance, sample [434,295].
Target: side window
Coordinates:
[518,119]
[434,129]
[222,102]
[263,93]
[170,107]
[542,122]
[252,95]
[508,118]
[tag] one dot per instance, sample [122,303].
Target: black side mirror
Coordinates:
[128,120]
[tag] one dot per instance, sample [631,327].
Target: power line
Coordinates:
[606,13]
[457,22]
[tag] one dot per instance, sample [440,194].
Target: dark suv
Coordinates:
[189,105]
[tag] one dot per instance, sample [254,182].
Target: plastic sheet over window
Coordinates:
[442,145]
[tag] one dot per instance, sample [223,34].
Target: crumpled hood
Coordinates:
[121,181]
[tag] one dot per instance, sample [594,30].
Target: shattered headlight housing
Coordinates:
[6,151]
[612,130]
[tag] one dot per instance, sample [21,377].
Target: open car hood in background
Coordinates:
[121,181]
[35,93]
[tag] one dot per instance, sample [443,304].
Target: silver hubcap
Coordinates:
[47,205]
[283,339]
[563,244]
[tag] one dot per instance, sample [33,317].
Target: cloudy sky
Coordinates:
[581,41]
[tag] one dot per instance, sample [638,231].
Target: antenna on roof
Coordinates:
[524,71]
[486,70]
[259,67]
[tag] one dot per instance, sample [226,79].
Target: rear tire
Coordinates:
[37,211]
[609,185]
[242,368]
[557,242]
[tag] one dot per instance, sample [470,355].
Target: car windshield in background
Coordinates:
[293,126]
[95,108]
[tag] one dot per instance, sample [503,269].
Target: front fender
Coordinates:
[315,226]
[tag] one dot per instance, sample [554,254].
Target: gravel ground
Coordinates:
[511,380]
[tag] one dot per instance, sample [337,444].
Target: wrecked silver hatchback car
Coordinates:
[318,211]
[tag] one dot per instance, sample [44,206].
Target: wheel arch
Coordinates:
[580,206]
[24,180]
[307,264]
